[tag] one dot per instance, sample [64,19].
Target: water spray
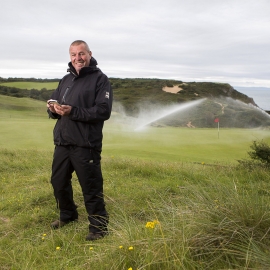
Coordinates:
[169,112]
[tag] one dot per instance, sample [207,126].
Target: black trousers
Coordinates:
[86,163]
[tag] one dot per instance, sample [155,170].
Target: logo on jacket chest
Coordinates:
[107,95]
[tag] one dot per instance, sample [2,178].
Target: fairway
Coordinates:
[25,125]
[180,144]
[32,85]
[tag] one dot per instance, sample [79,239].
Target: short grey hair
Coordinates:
[78,42]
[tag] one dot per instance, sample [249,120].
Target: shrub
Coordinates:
[261,152]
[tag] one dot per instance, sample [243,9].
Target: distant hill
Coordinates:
[142,97]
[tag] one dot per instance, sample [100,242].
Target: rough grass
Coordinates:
[203,217]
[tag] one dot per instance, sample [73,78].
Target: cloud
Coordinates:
[192,40]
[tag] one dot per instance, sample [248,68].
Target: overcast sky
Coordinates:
[190,40]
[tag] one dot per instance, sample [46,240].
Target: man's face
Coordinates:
[79,56]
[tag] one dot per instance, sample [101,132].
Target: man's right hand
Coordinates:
[51,107]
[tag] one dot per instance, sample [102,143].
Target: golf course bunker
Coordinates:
[175,89]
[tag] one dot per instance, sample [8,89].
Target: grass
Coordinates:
[180,144]
[204,211]
[209,217]
[31,85]
[164,144]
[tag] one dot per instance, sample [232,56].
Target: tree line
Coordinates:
[42,94]
[27,80]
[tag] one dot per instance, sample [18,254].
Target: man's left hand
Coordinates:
[63,109]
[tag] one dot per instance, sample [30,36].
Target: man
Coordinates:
[84,102]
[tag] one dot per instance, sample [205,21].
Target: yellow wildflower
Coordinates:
[150,224]
[58,248]
[91,248]
[130,248]
[120,246]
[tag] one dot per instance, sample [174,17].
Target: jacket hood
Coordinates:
[91,68]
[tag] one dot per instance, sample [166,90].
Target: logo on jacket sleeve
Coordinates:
[107,95]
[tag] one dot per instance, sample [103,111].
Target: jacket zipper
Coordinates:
[64,96]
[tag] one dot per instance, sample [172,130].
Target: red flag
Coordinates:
[216,120]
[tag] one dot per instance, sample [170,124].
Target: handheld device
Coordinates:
[54,101]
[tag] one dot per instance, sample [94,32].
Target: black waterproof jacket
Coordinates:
[90,96]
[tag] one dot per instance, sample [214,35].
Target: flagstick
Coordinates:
[218,129]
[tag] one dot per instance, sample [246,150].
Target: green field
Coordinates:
[177,198]
[25,124]
[31,85]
